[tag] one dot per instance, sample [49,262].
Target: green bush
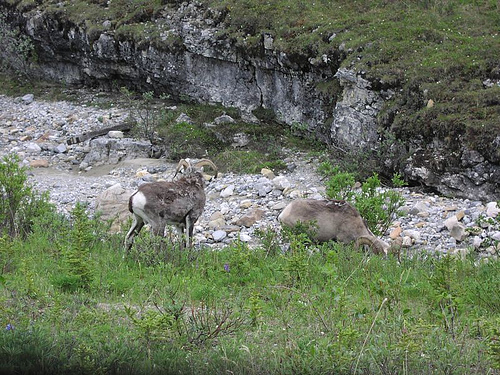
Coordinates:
[145,114]
[82,237]
[379,207]
[20,204]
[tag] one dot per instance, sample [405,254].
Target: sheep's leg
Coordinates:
[189,231]
[133,231]
[158,229]
[180,235]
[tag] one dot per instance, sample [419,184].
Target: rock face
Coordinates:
[188,60]
[355,115]
[191,57]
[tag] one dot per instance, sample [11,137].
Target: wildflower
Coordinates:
[9,327]
[226,267]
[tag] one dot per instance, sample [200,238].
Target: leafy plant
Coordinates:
[446,299]
[152,326]
[377,206]
[494,343]
[20,204]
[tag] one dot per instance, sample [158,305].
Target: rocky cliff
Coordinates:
[186,54]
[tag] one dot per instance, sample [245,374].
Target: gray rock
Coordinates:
[492,209]
[476,242]
[228,191]
[224,119]
[115,134]
[240,140]
[281,183]
[451,222]
[61,148]
[458,232]
[219,235]
[28,99]
[112,150]
[244,237]
[419,207]
[183,118]
[33,148]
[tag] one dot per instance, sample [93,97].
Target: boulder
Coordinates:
[112,150]
[39,163]
[112,203]
[250,218]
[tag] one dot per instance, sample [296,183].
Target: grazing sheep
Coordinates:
[179,203]
[332,220]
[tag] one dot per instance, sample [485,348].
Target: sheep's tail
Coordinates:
[130,203]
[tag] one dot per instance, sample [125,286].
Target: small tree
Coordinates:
[20,204]
[145,115]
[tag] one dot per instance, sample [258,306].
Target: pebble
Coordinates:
[238,206]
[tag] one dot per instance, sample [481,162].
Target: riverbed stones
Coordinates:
[432,222]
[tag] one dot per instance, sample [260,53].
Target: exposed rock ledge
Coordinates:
[192,60]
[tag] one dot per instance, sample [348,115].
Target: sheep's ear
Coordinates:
[207,177]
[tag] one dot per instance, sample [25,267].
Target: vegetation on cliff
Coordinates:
[442,53]
[438,61]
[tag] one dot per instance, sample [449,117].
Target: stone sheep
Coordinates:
[332,220]
[179,203]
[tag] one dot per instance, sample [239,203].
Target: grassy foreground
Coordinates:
[71,303]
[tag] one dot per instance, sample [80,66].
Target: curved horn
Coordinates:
[208,162]
[378,246]
[182,163]
[364,241]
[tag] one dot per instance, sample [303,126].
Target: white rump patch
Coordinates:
[139,201]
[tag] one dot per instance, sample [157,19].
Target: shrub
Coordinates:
[145,114]
[377,206]
[20,204]
[81,238]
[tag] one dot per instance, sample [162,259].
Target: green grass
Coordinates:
[313,309]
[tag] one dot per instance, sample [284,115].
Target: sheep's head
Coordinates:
[185,166]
